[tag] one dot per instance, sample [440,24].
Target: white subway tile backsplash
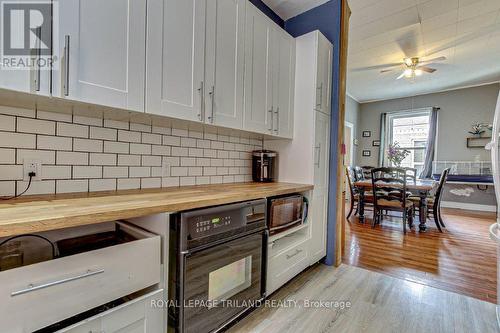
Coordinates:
[103,133]
[115,172]
[130,160]
[116,147]
[44,156]
[188,181]
[17,140]
[78,119]
[56,172]
[71,158]
[102,185]
[128,184]
[7,156]
[7,188]
[89,172]
[54,143]
[150,182]
[89,145]
[39,187]
[128,136]
[139,172]
[154,139]
[11,172]
[111,123]
[72,130]
[151,160]
[140,149]
[7,123]
[102,159]
[80,153]
[70,186]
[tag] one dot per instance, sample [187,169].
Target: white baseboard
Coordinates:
[468,206]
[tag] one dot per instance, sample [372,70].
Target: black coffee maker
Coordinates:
[263,165]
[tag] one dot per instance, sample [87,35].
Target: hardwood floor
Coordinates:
[378,303]
[462,259]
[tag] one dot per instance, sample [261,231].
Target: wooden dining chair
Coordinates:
[389,193]
[367,171]
[358,173]
[435,201]
[354,193]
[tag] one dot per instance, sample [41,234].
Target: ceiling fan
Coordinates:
[412,67]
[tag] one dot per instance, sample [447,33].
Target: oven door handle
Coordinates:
[286,225]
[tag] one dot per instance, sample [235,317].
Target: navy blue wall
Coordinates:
[326,18]
[266,10]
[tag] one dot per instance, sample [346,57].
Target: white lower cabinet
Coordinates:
[136,316]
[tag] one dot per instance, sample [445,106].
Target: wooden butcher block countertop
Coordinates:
[49,212]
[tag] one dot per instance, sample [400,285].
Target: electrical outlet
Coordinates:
[32,166]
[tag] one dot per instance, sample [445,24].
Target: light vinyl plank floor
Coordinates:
[379,303]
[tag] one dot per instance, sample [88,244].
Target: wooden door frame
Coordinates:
[340,219]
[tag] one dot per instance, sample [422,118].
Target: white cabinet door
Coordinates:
[176,58]
[258,76]
[225,56]
[320,193]
[317,244]
[324,75]
[19,71]
[101,47]
[283,70]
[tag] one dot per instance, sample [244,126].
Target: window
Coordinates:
[411,131]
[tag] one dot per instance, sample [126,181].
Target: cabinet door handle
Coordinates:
[271,113]
[290,256]
[320,103]
[201,90]
[277,112]
[32,287]
[38,58]
[318,154]
[66,66]
[212,96]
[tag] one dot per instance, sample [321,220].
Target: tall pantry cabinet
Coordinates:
[305,159]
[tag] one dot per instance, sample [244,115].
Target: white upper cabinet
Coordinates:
[324,74]
[225,57]
[100,46]
[21,71]
[176,58]
[284,83]
[269,76]
[258,76]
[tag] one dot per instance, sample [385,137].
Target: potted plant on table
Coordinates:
[396,155]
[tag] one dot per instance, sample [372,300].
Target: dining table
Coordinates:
[421,187]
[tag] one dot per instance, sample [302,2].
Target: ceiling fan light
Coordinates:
[418,72]
[408,73]
[408,61]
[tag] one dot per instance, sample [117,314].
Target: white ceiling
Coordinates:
[467,32]
[289,8]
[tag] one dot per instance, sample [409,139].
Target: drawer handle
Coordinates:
[290,256]
[32,287]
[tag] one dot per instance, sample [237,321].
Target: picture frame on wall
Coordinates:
[376,143]
[367,153]
[367,134]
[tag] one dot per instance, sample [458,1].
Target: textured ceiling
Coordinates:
[289,8]
[466,32]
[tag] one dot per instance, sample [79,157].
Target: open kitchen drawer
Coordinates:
[97,264]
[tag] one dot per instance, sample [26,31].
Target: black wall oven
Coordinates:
[217,265]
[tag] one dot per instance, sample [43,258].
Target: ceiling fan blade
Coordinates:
[401,76]
[384,67]
[432,60]
[427,69]
[387,70]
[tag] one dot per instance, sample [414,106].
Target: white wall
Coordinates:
[459,109]
[352,115]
